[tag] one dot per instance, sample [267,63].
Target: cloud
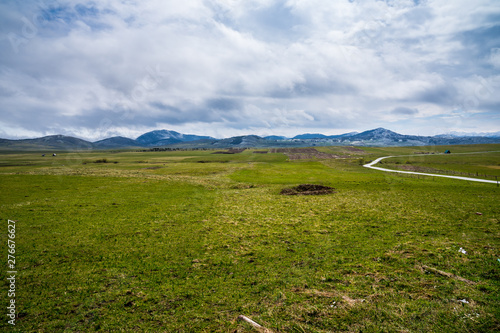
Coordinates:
[233,66]
[401,110]
[494,57]
[224,104]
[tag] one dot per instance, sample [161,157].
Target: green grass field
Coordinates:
[187,241]
[483,165]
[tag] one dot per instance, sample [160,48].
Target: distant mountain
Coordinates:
[60,141]
[47,142]
[171,139]
[274,137]
[384,137]
[377,134]
[462,134]
[245,141]
[343,135]
[165,137]
[115,142]
[309,136]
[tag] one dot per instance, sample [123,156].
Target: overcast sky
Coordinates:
[95,69]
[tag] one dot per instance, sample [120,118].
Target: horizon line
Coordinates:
[452,133]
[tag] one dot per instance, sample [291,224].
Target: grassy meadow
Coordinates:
[186,241]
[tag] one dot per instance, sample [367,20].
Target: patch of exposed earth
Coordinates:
[304,153]
[308,189]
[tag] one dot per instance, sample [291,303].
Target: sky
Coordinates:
[97,69]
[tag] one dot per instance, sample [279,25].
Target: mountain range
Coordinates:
[172,139]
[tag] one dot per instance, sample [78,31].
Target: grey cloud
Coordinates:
[224,104]
[314,87]
[401,110]
[478,44]
[189,112]
[441,95]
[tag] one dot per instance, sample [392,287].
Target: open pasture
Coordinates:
[186,241]
[484,165]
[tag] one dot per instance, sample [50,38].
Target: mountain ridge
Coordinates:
[172,139]
[166,137]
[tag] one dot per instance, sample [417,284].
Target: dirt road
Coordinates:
[371,166]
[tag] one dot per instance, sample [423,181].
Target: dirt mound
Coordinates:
[308,189]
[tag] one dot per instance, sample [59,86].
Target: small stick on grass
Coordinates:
[450,275]
[254,324]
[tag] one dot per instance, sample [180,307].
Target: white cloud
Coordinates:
[231,66]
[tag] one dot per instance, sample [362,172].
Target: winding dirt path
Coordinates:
[371,166]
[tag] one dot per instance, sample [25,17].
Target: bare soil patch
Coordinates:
[231,151]
[304,153]
[308,189]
